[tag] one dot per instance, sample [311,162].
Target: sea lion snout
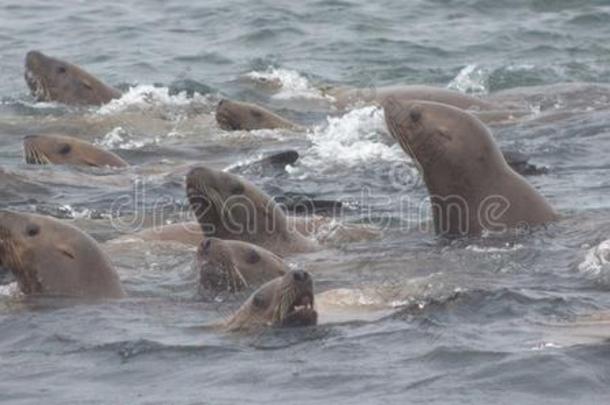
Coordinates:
[33,58]
[300,275]
[205,246]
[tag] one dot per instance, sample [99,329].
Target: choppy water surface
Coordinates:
[413,318]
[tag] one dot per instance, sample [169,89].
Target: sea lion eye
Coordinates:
[256,114]
[61,69]
[237,189]
[65,149]
[252,257]
[32,230]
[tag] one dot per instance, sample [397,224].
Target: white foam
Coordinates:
[471,79]
[145,96]
[494,249]
[290,84]
[597,260]
[351,140]
[119,138]
[10,290]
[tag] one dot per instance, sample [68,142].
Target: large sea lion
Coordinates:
[471,186]
[235,116]
[229,207]
[49,257]
[346,97]
[284,301]
[52,79]
[59,149]
[230,265]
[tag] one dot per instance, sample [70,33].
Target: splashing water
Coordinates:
[471,79]
[289,83]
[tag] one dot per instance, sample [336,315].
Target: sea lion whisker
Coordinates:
[240,276]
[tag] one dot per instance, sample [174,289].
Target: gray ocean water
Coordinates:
[414,318]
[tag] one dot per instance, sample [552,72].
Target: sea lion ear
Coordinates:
[66,251]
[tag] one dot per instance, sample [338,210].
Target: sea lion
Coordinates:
[284,301]
[51,79]
[235,116]
[345,97]
[230,265]
[187,233]
[471,186]
[59,149]
[229,207]
[49,257]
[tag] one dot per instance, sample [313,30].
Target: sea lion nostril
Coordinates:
[207,245]
[300,275]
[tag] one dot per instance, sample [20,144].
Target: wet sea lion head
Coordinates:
[58,149]
[445,142]
[51,79]
[235,116]
[53,258]
[284,301]
[472,189]
[229,207]
[230,265]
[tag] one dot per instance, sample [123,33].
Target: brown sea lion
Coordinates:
[284,301]
[471,186]
[235,116]
[230,265]
[188,233]
[52,79]
[345,97]
[49,257]
[229,207]
[59,149]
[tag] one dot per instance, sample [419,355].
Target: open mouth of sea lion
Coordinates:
[36,84]
[299,312]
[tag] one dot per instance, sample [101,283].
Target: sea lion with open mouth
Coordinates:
[49,257]
[472,188]
[59,149]
[283,302]
[229,207]
[51,79]
[231,265]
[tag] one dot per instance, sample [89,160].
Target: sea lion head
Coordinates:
[230,265]
[235,116]
[284,301]
[53,258]
[472,189]
[445,142]
[51,79]
[58,149]
[229,207]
